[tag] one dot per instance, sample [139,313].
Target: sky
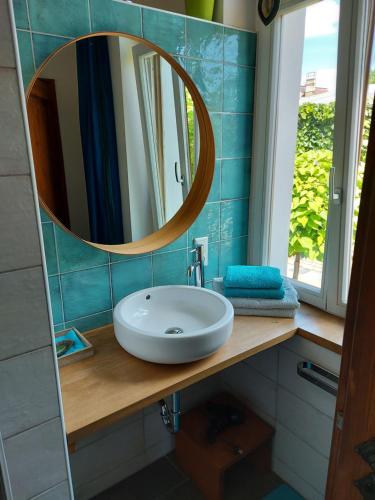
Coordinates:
[321,37]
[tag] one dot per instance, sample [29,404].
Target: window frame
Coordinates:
[351,54]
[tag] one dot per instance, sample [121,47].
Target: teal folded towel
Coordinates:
[253,277]
[77,342]
[255,293]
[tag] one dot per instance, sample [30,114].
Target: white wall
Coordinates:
[301,412]
[291,53]
[138,179]
[237,13]
[170,5]
[109,456]
[63,69]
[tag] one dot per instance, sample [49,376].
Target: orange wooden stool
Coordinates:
[206,463]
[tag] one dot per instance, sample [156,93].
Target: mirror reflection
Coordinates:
[114,138]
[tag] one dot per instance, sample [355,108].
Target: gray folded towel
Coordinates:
[284,308]
[270,313]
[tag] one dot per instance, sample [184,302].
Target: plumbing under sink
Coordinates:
[173,324]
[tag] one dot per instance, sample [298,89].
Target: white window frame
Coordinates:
[351,52]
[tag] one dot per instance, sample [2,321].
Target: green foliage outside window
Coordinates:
[315,127]
[313,161]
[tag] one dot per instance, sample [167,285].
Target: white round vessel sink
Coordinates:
[173,324]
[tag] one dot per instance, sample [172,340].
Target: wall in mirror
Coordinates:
[114,137]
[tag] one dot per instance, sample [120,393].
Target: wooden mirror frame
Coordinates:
[200,189]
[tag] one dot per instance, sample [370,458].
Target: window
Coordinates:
[356,178]
[314,140]
[313,161]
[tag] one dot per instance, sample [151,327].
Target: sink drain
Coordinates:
[174,330]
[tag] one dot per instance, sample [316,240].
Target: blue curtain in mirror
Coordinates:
[99,145]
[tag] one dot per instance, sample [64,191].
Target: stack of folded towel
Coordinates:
[258,291]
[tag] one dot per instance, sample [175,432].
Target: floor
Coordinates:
[164,480]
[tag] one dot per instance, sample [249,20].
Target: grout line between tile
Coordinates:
[214,23]
[30,351]
[42,422]
[59,275]
[142,22]
[300,477]
[31,38]
[49,490]
[37,266]
[88,316]
[89,15]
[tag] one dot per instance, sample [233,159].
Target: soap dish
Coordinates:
[71,337]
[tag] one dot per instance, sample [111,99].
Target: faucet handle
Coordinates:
[190,271]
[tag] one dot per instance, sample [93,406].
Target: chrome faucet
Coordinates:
[197,267]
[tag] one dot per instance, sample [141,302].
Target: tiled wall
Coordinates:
[33,458]
[301,412]
[114,453]
[86,283]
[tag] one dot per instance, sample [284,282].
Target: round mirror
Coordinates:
[122,143]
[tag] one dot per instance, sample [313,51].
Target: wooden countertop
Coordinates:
[112,384]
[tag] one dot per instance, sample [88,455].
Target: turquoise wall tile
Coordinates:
[50,248]
[56,303]
[91,322]
[165,30]
[238,88]
[43,215]
[58,328]
[86,292]
[86,279]
[235,178]
[234,218]
[232,252]
[238,133]
[107,15]
[212,269]
[26,56]
[178,244]
[44,45]
[204,40]
[20,14]
[239,47]
[130,276]
[65,17]
[75,255]
[170,268]
[208,77]
[215,187]
[116,257]
[206,224]
[217,126]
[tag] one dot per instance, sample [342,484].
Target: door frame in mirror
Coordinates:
[201,186]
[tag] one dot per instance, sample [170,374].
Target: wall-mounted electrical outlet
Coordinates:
[203,241]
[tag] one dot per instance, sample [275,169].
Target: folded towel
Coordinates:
[270,313]
[252,277]
[290,300]
[255,293]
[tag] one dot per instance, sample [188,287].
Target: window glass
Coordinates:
[314,144]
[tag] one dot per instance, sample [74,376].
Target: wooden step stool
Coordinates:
[206,463]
